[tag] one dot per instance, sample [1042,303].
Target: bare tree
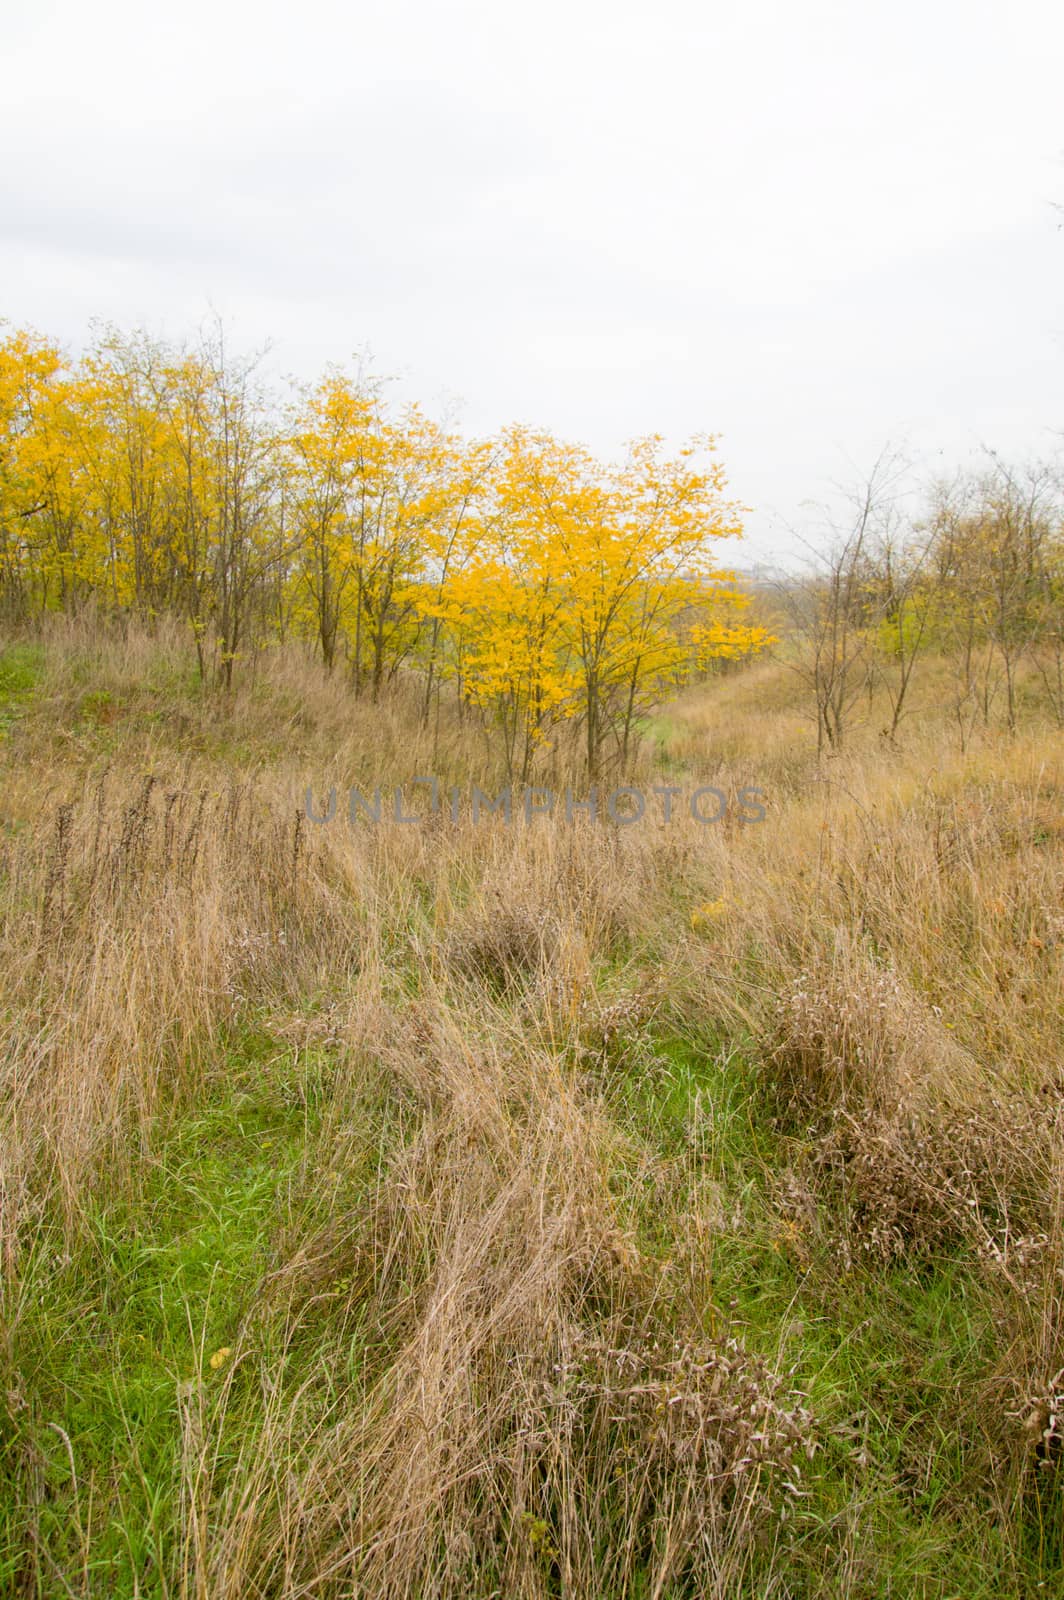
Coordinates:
[832,608]
[248,534]
[905,594]
[995,554]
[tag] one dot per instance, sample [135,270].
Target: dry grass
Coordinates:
[520,1399]
[482,1349]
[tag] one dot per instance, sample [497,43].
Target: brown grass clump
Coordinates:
[919,1148]
[502,942]
[134,930]
[521,1419]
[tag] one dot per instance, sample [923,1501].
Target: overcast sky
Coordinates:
[809,227]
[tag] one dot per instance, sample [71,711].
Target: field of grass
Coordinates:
[561,1209]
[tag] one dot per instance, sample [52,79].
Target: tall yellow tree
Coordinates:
[597,566]
[30,372]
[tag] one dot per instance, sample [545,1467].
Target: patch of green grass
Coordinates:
[898,1497]
[892,1364]
[695,1097]
[104,1339]
[21,666]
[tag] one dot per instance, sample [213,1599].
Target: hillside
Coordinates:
[563,1208]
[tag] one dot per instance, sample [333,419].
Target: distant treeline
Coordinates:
[975,577]
[543,588]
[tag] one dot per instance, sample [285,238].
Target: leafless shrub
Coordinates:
[913,1162]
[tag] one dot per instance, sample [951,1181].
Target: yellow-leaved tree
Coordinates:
[556,594]
[592,581]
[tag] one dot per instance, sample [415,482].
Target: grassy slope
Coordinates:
[384,1117]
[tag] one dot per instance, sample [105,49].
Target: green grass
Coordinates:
[21,666]
[108,1341]
[104,1339]
[892,1360]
